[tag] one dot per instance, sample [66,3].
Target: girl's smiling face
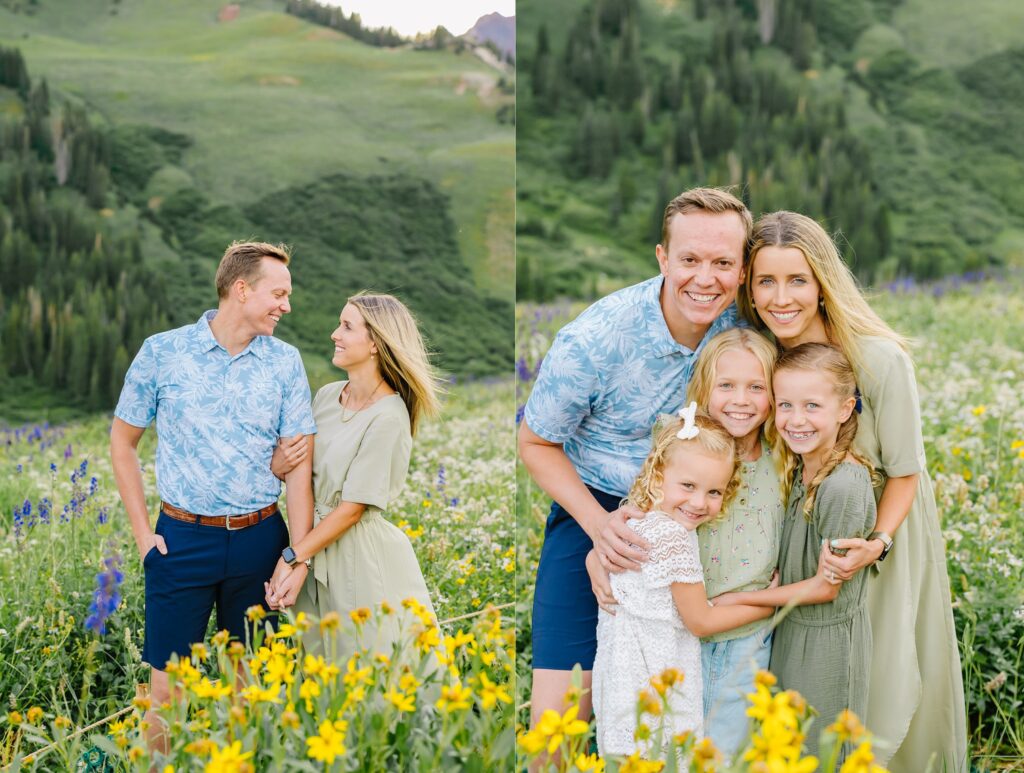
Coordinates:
[808,412]
[740,396]
[694,486]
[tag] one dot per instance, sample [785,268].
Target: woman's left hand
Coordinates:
[286,593]
[724,600]
[859,553]
[281,571]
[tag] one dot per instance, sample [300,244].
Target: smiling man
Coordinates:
[587,424]
[222,391]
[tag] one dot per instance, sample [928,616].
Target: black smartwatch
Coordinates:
[289,557]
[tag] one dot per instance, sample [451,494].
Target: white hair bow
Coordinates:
[690,429]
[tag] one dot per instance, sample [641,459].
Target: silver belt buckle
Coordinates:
[227,522]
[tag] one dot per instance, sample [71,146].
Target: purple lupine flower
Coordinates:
[67,452]
[17,522]
[440,479]
[523,371]
[107,596]
[44,509]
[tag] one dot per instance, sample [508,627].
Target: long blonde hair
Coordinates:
[402,356]
[826,359]
[847,315]
[712,439]
[702,382]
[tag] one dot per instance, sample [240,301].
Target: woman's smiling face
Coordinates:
[786,293]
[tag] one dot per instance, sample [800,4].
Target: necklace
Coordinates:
[366,402]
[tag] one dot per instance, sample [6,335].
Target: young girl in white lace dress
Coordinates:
[691,472]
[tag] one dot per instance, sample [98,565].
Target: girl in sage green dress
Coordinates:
[822,646]
[365,426]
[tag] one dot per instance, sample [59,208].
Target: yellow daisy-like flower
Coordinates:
[847,726]
[648,704]
[202,747]
[230,759]
[200,652]
[705,756]
[313,666]
[589,762]
[765,678]
[142,704]
[279,669]
[329,622]
[533,741]
[285,631]
[220,639]
[360,615]
[136,753]
[15,717]
[555,727]
[491,693]
[207,689]
[355,675]
[256,694]
[309,690]
[861,761]
[454,697]
[386,608]
[400,700]
[255,613]
[330,743]
[428,639]
[34,714]
[635,764]
[979,410]
[409,682]
[289,718]
[62,722]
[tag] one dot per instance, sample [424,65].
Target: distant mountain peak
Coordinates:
[497,29]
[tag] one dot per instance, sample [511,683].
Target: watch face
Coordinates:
[288,555]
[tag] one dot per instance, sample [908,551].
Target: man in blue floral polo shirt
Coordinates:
[587,425]
[222,392]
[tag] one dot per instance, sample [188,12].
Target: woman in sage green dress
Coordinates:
[798,286]
[365,426]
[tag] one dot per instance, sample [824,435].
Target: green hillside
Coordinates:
[217,126]
[891,121]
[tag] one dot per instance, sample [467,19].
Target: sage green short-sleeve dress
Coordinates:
[364,459]
[823,651]
[916,697]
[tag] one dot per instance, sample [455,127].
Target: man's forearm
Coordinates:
[125,461]
[298,495]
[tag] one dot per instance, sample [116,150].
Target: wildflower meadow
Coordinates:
[969,358]
[71,623]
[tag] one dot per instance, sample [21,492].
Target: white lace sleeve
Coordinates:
[674,555]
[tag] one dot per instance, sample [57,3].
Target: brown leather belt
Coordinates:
[229,522]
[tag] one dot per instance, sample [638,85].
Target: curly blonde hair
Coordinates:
[712,440]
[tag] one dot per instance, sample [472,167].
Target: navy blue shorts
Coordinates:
[564,606]
[205,566]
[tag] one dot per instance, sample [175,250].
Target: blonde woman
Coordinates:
[365,427]
[800,289]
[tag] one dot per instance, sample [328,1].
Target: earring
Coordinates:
[821,302]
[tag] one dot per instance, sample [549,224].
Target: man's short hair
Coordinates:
[244,260]
[713,200]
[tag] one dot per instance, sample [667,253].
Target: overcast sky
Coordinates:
[409,16]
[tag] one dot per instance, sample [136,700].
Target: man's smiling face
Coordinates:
[703,267]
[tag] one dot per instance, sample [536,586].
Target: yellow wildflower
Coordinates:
[491,693]
[648,704]
[861,761]
[705,756]
[142,704]
[62,722]
[289,718]
[533,741]
[766,678]
[329,622]
[979,410]
[555,727]
[220,639]
[255,613]
[589,762]
[14,717]
[230,759]
[360,615]
[428,639]
[330,743]
[635,764]
[309,690]
[200,653]
[409,682]
[355,675]
[454,697]
[207,689]
[202,747]
[285,631]
[136,753]
[34,714]
[400,700]
[847,726]
[386,608]
[256,694]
